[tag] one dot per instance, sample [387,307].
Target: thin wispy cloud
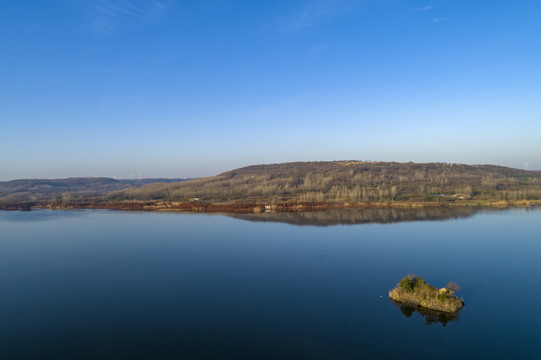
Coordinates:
[313,14]
[435,20]
[109,15]
[424,8]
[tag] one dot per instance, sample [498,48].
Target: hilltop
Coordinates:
[341,182]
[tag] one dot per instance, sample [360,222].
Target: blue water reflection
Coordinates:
[99,284]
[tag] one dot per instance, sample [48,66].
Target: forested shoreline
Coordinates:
[304,185]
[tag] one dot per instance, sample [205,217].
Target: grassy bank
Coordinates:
[252,206]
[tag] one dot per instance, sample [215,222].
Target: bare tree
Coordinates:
[452,286]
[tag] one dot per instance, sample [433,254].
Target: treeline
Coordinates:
[343,182]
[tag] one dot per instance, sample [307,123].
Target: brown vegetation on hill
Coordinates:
[350,182]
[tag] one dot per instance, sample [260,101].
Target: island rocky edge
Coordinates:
[414,291]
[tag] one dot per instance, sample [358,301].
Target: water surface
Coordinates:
[100,284]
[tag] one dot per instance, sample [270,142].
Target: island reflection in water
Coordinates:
[362,216]
[430,316]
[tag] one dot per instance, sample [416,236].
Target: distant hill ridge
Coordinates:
[35,189]
[330,182]
[350,182]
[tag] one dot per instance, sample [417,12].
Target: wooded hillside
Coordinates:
[350,182]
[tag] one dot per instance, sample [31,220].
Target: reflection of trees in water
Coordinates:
[361,216]
[430,316]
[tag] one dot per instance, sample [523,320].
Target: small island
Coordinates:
[414,291]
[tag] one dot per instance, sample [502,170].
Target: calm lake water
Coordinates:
[110,285]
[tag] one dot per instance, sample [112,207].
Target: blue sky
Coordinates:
[193,88]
